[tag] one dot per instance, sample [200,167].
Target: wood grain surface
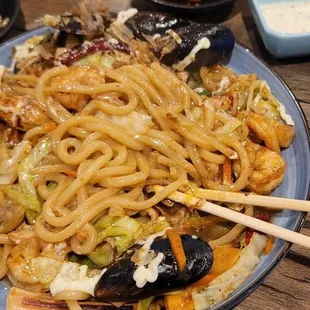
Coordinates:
[288,287]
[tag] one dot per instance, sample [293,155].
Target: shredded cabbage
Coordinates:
[230,280]
[97,59]
[118,234]
[26,195]
[138,121]
[32,160]
[102,256]
[10,159]
[144,304]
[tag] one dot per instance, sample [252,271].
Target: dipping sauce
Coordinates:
[288,17]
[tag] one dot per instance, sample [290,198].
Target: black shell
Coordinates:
[153,23]
[221,39]
[117,283]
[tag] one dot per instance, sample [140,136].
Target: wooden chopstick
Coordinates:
[249,199]
[240,218]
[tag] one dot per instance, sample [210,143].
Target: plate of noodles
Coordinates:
[110,125]
[192,4]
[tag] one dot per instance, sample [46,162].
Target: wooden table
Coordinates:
[288,288]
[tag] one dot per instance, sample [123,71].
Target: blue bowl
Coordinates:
[280,45]
[295,184]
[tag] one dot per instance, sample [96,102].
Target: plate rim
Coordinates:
[302,215]
[189,6]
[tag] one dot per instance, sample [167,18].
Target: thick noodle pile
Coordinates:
[99,137]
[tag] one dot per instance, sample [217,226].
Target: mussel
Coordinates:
[117,284]
[143,23]
[187,36]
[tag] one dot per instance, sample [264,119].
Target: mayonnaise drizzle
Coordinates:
[285,116]
[73,277]
[123,16]
[174,35]
[148,271]
[144,274]
[203,43]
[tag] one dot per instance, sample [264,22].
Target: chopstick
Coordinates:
[240,218]
[250,199]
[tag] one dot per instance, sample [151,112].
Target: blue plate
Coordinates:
[295,184]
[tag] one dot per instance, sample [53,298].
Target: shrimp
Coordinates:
[77,75]
[11,214]
[72,101]
[267,168]
[21,112]
[274,133]
[27,261]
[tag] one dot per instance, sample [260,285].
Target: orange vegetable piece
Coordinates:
[50,127]
[269,245]
[225,257]
[205,280]
[177,248]
[70,173]
[180,302]
[227,172]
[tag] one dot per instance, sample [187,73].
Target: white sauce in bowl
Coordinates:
[288,17]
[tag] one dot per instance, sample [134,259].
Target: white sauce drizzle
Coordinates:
[123,16]
[281,108]
[144,274]
[175,36]
[285,116]
[73,277]
[224,83]
[203,43]
[288,17]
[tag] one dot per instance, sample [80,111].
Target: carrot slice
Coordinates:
[177,248]
[182,301]
[227,172]
[50,127]
[70,172]
[225,256]
[269,245]
[205,280]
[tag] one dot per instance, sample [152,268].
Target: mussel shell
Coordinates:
[117,283]
[221,39]
[144,23]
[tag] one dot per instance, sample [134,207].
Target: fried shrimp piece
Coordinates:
[274,133]
[11,214]
[28,262]
[75,76]
[21,112]
[267,168]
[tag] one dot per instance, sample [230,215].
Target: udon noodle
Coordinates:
[96,138]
